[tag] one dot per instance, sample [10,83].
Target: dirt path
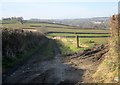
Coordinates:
[71,69]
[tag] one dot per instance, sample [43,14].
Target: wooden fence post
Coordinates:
[77,38]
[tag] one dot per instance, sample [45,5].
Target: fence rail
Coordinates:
[83,36]
[80,32]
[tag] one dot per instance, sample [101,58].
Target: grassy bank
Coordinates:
[9,63]
[108,70]
[68,45]
[19,45]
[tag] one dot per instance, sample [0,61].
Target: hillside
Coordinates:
[94,23]
[82,23]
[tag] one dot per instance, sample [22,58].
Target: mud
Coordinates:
[72,69]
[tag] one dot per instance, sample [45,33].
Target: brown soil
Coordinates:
[88,60]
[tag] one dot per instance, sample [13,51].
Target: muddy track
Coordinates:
[88,60]
[31,70]
[73,69]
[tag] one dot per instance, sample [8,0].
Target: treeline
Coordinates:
[12,19]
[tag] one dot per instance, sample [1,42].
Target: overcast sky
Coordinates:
[58,10]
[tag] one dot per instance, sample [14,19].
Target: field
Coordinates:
[66,35]
[47,27]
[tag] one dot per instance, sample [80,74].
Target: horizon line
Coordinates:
[58,18]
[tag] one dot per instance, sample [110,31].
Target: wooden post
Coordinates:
[77,38]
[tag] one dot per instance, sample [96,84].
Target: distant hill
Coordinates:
[96,22]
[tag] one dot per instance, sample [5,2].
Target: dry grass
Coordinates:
[108,70]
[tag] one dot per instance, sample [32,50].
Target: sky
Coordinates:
[58,10]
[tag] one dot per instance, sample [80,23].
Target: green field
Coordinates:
[34,25]
[67,34]
[76,30]
[66,45]
[46,27]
